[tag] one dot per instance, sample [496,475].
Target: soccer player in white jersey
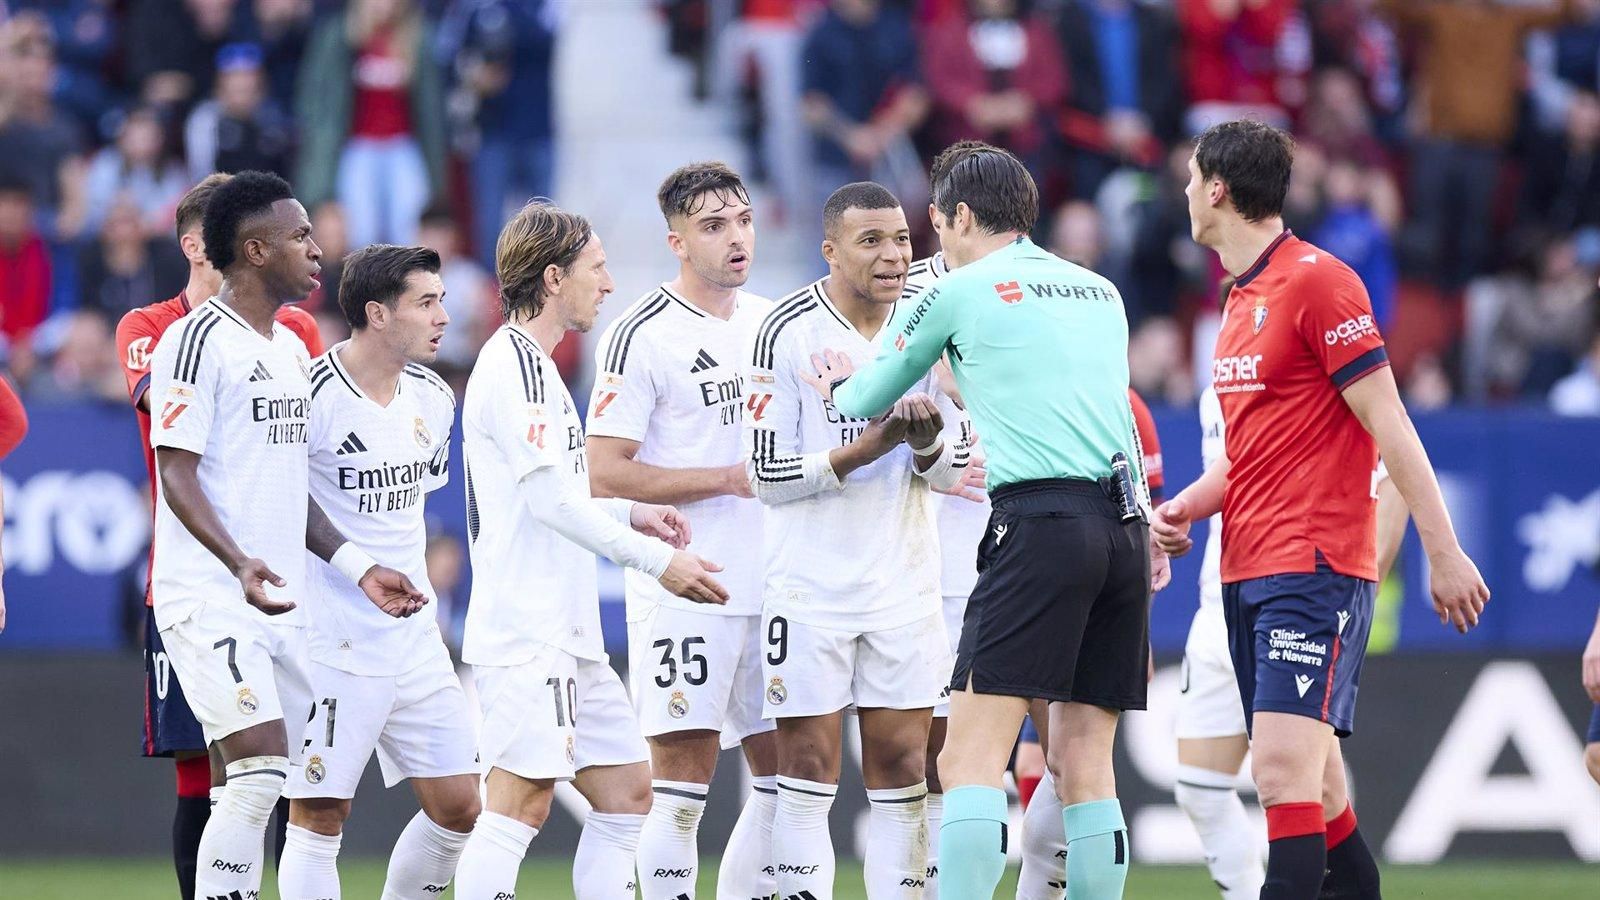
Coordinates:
[553,709]
[1210,729]
[230,396]
[851,610]
[664,428]
[379,443]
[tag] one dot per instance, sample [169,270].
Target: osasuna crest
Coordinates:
[678,705]
[776,692]
[1258,316]
[420,432]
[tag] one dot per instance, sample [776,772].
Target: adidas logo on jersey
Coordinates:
[702,362]
[352,444]
[260,373]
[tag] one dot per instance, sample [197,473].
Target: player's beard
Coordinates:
[723,276]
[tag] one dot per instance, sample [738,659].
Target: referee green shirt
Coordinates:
[1040,350]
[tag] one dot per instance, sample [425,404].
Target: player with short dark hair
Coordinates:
[851,611]
[664,428]
[231,407]
[379,443]
[553,710]
[1309,403]
[1061,607]
[170,728]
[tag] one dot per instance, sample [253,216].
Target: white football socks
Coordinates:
[930,891]
[602,869]
[897,842]
[1044,846]
[669,854]
[1232,845]
[309,869]
[423,860]
[492,856]
[230,854]
[747,871]
[804,856]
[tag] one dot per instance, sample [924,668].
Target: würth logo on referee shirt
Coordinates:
[352,444]
[1009,291]
[702,363]
[260,373]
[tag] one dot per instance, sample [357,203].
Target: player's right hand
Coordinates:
[886,431]
[1170,530]
[254,576]
[1458,589]
[688,576]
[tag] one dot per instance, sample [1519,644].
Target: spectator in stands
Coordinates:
[86,39]
[995,73]
[1470,84]
[1231,60]
[1354,232]
[863,96]
[1564,61]
[469,291]
[24,264]
[171,46]
[283,29]
[1157,366]
[1524,334]
[139,168]
[1561,182]
[767,39]
[127,265]
[1351,36]
[82,364]
[241,127]
[1578,394]
[371,113]
[1126,98]
[1338,119]
[39,142]
[502,52]
[1075,235]
[332,230]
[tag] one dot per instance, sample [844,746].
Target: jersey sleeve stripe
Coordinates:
[319,383]
[771,469]
[192,345]
[141,387]
[622,337]
[767,340]
[1361,366]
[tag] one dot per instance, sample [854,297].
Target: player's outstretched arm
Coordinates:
[179,471]
[1200,500]
[910,343]
[1459,592]
[388,589]
[615,471]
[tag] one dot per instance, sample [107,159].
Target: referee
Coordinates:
[1039,347]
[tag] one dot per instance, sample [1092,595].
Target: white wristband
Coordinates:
[932,449]
[352,561]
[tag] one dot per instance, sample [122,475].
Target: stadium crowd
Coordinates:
[1449,149]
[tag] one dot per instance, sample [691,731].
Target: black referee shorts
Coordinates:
[1061,610]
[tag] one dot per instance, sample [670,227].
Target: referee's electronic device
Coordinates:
[1125,494]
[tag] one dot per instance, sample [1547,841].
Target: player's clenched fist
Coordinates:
[1458,590]
[392,592]
[254,576]
[688,576]
[1170,530]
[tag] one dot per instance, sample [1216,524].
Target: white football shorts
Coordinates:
[239,670]
[813,671]
[554,715]
[693,671]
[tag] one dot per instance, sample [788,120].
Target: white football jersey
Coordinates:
[530,585]
[1211,450]
[862,556]
[241,401]
[961,521]
[668,375]
[371,468]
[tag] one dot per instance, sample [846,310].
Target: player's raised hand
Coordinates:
[254,576]
[830,367]
[1170,530]
[1458,589]
[688,576]
[664,522]
[392,592]
[970,487]
[923,422]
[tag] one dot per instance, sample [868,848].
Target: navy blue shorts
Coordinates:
[1297,643]
[1594,726]
[169,726]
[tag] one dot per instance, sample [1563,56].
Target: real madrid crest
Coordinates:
[315,770]
[248,704]
[572,750]
[420,432]
[1258,315]
[776,692]
[678,705]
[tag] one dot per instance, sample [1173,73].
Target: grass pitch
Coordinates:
[152,879]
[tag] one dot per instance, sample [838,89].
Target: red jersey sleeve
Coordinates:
[1151,444]
[304,325]
[13,419]
[137,335]
[1335,320]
